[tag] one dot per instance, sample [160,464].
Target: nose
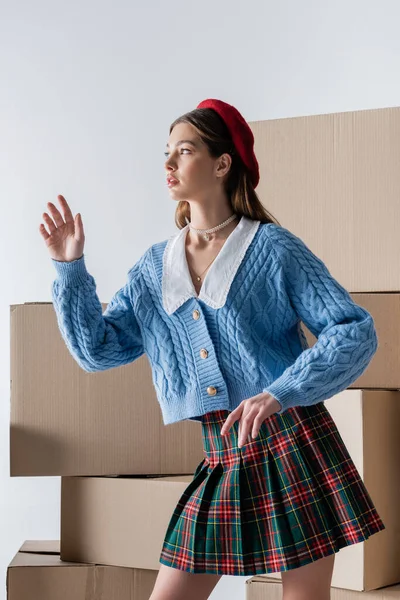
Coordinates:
[169,168]
[169,161]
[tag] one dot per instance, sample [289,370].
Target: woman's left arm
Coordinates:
[347,338]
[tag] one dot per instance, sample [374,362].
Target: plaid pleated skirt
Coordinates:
[285,499]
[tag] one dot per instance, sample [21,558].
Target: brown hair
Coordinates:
[241,193]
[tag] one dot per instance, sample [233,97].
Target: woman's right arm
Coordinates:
[96,340]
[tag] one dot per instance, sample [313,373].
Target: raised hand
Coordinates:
[64,235]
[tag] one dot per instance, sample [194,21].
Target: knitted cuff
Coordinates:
[284,390]
[73,272]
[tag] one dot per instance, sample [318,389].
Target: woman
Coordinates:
[217,310]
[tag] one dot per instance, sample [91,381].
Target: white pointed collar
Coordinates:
[177,285]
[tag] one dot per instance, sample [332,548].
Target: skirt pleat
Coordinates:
[285,499]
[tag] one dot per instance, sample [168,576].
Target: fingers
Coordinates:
[79,232]
[43,231]
[232,417]
[249,423]
[252,412]
[245,423]
[49,222]
[256,425]
[66,209]
[227,425]
[55,213]
[58,218]
[245,426]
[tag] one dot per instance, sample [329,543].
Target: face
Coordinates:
[187,159]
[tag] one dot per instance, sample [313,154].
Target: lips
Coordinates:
[171,180]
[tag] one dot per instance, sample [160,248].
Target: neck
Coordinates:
[216,237]
[208,219]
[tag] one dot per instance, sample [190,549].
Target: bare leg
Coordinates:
[175,584]
[311,581]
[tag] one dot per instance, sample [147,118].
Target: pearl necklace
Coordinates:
[205,232]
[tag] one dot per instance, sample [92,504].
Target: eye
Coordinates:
[166,153]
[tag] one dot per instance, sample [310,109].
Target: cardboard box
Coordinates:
[334,180]
[261,587]
[66,421]
[119,521]
[105,408]
[383,371]
[100,517]
[369,423]
[37,573]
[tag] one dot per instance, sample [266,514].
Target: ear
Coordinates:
[223,164]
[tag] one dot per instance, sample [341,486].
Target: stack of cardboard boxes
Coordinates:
[334,180]
[122,470]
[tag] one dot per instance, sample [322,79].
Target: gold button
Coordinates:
[211,390]
[203,353]
[196,314]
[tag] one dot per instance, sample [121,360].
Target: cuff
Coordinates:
[284,390]
[73,272]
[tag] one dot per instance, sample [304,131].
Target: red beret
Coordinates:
[242,135]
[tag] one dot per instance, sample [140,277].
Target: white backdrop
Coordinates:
[88,91]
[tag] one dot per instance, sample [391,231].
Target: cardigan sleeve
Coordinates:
[345,331]
[97,340]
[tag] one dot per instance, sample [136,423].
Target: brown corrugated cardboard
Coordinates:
[45,419]
[383,371]
[66,421]
[369,423]
[262,587]
[334,180]
[117,521]
[37,573]
[101,516]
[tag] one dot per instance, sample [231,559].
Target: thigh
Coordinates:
[175,584]
[311,581]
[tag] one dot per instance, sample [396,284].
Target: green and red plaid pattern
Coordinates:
[285,499]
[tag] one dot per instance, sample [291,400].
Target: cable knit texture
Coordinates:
[254,341]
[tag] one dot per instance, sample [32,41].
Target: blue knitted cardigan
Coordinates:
[254,341]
